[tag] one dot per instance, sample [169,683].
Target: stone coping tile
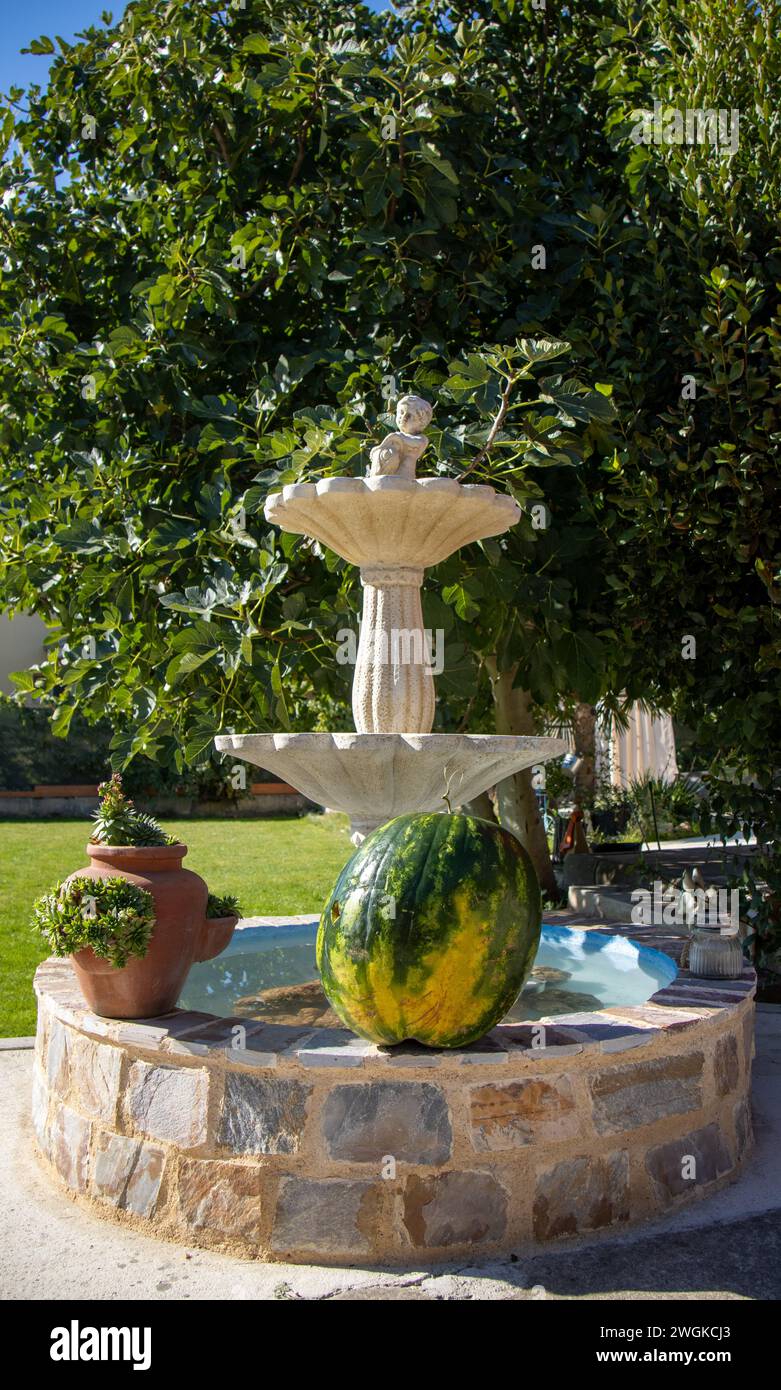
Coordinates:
[697,998]
[606,1033]
[612,1035]
[340,1047]
[266,1043]
[260,1044]
[157,1033]
[139,1033]
[211,1028]
[251,1056]
[536,1041]
[494,1049]
[333,1047]
[622,1042]
[668,945]
[212,1037]
[325,1047]
[65,992]
[326,1037]
[471,1057]
[330,1057]
[51,971]
[410,1055]
[179,1021]
[740,985]
[654,1018]
[150,1033]
[490,1049]
[594,1019]
[626,929]
[297,919]
[54,968]
[93,1024]
[709,989]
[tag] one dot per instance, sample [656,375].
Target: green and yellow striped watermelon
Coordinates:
[430,931]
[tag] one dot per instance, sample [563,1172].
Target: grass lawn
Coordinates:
[274,866]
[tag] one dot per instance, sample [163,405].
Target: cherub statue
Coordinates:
[399,452]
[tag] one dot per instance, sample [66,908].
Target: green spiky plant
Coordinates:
[222,906]
[117,822]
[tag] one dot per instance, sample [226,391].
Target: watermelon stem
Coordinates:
[446,793]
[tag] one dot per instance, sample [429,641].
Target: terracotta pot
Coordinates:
[215,935]
[149,986]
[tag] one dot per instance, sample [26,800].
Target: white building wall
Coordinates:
[21,645]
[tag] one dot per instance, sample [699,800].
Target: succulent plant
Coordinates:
[148,831]
[117,822]
[109,915]
[227,906]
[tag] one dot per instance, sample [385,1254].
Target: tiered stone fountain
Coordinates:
[394,526]
[307,1143]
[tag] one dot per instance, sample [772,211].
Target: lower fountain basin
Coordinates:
[268,972]
[374,777]
[304,1143]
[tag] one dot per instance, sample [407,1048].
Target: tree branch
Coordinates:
[300,156]
[543,59]
[224,151]
[301,147]
[499,419]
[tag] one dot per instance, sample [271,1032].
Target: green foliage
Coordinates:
[645,805]
[30,754]
[169,359]
[109,915]
[225,906]
[656,805]
[117,822]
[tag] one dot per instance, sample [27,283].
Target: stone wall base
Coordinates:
[300,1144]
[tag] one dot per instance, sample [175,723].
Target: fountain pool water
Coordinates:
[269,972]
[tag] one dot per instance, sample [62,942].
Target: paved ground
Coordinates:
[728,1247]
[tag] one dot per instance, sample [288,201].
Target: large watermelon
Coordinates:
[430,931]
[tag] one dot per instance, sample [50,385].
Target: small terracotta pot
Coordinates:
[149,986]
[215,935]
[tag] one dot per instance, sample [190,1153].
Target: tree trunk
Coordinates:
[585,735]
[517,806]
[481,806]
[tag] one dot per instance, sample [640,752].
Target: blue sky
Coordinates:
[29,19]
[32,18]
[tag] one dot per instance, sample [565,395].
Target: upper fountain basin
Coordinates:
[414,523]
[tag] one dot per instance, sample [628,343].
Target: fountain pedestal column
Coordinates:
[393,686]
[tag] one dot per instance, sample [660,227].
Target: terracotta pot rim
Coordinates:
[222,921]
[136,853]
